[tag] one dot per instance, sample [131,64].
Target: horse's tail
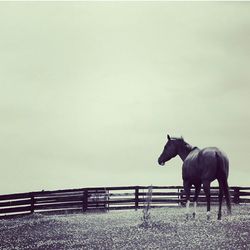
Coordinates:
[222,177]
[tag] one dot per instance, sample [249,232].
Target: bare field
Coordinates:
[124,230]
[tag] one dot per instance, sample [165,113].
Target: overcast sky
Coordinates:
[89,91]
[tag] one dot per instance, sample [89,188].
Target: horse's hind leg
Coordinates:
[220,200]
[206,187]
[187,187]
[197,192]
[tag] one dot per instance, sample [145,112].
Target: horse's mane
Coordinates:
[181,140]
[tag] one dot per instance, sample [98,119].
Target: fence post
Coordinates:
[182,192]
[179,197]
[136,197]
[32,203]
[106,199]
[85,200]
[236,195]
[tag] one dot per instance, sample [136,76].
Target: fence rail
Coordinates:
[105,198]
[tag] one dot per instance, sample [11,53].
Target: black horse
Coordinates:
[200,166]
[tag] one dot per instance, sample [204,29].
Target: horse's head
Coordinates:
[170,150]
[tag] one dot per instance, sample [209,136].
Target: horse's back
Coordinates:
[203,164]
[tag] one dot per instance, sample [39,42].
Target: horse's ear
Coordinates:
[168,137]
[182,138]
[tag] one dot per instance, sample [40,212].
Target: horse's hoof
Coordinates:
[208,215]
[193,215]
[186,216]
[219,217]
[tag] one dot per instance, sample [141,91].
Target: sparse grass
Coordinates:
[122,230]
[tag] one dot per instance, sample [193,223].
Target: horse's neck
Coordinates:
[184,151]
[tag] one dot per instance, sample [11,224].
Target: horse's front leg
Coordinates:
[197,192]
[187,187]
[206,187]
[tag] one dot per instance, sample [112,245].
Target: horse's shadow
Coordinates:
[160,225]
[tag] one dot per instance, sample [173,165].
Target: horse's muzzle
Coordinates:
[161,162]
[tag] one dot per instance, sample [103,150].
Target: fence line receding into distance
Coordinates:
[105,198]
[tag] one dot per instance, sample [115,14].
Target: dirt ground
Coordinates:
[168,229]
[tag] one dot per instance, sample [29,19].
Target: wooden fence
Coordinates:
[105,198]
